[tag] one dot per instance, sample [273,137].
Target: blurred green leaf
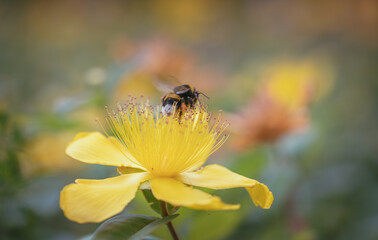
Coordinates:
[86,237]
[152,226]
[251,162]
[172,209]
[3,120]
[48,121]
[215,225]
[151,238]
[130,227]
[122,227]
[11,142]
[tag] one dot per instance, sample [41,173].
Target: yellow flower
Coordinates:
[166,153]
[45,153]
[295,85]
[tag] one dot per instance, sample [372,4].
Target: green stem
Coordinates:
[164,213]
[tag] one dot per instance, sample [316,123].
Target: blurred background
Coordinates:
[296,79]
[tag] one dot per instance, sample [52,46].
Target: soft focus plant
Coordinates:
[45,153]
[281,103]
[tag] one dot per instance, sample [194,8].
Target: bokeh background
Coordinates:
[296,79]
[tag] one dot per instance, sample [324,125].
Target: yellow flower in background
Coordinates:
[166,153]
[295,84]
[135,84]
[45,153]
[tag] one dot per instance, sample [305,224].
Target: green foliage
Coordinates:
[129,226]
[11,142]
[152,226]
[152,201]
[251,162]
[214,225]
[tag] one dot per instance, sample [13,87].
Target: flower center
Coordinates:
[166,145]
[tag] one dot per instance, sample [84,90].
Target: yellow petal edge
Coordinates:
[261,196]
[218,177]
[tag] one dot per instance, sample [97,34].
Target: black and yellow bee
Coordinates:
[183,97]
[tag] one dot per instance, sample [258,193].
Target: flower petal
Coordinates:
[217,177]
[261,196]
[97,200]
[96,148]
[179,194]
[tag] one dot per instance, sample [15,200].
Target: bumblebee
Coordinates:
[183,97]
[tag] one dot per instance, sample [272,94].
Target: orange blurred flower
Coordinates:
[264,120]
[281,104]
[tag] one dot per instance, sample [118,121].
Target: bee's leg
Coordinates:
[183,107]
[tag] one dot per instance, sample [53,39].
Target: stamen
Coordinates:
[165,145]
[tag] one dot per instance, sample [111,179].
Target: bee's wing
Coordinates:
[171,79]
[181,89]
[163,86]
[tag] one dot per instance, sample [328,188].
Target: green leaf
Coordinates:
[122,227]
[130,227]
[86,237]
[152,201]
[151,238]
[172,209]
[152,227]
[215,225]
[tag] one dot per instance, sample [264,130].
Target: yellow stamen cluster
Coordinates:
[166,145]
